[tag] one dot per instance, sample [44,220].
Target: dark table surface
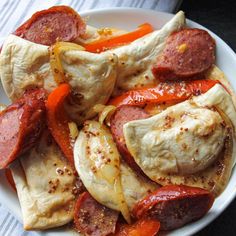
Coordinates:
[218,16]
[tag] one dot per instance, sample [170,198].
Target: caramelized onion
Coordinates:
[229,154]
[2,107]
[74,132]
[104,113]
[55,62]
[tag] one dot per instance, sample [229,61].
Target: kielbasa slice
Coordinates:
[93,219]
[122,115]
[175,205]
[20,125]
[59,23]
[188,53]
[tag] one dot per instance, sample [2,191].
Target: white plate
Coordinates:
[130,18]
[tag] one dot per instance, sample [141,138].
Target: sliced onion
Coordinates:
[105,113]
[2,107]
[98,108]
[74,132]
[232,136]
[55,62]
[229,154]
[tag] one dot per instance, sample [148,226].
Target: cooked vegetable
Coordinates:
[175,205]
[2,107]
[57,120]
[105,44]
[74,132]
[164,93]
[55,62]
[143,227]
[104,113]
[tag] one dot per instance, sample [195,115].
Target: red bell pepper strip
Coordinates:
[164,92]
[57,120]
[142,227]
[105,44]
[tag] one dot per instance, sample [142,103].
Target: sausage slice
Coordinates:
[93,219]
[188,53]
[122,115]
[20,125]
[175,205]
[59,23]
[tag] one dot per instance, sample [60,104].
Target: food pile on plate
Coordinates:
[122,133]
